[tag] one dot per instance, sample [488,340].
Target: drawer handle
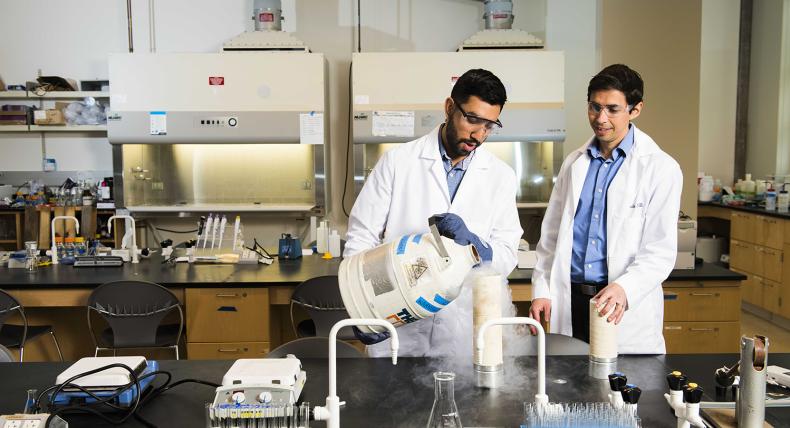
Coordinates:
[703,329]
[228,350]
[704,294]
[227,295]
[673,327]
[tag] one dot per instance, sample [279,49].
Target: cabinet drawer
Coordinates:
[227,314]
[772,264]
[772,232]
[702,337]
[742,226]
[749,289]
[742,256]
[702,304]
[227,351]
[772,292]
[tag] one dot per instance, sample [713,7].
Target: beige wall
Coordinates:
[768,91]
[661,40]
[718,87]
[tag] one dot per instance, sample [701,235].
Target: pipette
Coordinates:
[201,227]
[222,225]
[209,223]
[236,226]
[214,230]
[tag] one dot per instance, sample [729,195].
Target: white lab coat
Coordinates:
[409,185]
[642,207]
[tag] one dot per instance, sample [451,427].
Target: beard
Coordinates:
[457,147]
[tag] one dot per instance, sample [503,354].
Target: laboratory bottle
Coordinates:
[748,187]
[59,247]
[783,201]
[444,413]
[69,247]
[79,246]
[770,200]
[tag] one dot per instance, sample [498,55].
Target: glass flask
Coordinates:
[444,413]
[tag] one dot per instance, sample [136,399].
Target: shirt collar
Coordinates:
[464,164]
[622,149]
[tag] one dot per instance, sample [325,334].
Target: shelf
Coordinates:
[54,95]
[66,95]
[13,128]
[13,94]
[68,128]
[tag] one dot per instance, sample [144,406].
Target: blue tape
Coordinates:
[426,305]
[402,245]
[441,300]
[416,239]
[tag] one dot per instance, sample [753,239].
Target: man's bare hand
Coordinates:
[612,297]
[538,307]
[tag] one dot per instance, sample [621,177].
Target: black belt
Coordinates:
[587,289]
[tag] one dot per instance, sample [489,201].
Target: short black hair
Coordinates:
[482,84]
[619,77]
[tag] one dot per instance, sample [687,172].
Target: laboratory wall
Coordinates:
[661,40]
[718,87]
[769,90]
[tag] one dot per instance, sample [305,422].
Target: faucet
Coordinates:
[540,398]
[331,411]
[54,246]
[132,250]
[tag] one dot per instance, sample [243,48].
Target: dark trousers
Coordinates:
[580,310]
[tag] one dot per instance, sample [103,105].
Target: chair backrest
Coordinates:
[5,355]
[9,305]
[556,344]
[134,310]
[321,298]
[314,347]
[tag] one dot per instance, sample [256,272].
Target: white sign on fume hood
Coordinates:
[158,122]
[311,128]
[393,123]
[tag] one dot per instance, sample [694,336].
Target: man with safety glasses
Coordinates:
[446,172]
[610,230]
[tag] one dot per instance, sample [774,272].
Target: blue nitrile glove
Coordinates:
[370,338]
[453,227]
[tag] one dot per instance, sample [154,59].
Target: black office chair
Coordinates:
[320,298]
[15,336]
[557,344]
[134,311]
[314,347]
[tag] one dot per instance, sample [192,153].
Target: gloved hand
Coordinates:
[453,227]
[370,338]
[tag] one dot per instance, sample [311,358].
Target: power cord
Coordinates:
[91,408]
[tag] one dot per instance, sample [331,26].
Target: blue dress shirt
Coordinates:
[454,173]
[588,261]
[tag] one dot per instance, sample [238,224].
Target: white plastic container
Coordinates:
[748,186]
[706,189]
[405,280]
[334,244]
[770,200]
[782,201]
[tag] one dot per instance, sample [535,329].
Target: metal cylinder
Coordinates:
[750,405]
[498,14]
[268,15]
[490,377]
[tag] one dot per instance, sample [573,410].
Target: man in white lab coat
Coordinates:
[610,230]
[446,171]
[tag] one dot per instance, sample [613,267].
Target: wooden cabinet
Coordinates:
[702,337]
[702,317]
[784,292]
[227,322]
[771,263]
[771,295]
[742,257]
[741,226]
[772,232]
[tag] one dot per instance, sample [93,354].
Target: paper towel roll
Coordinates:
[603,335]
[487,297]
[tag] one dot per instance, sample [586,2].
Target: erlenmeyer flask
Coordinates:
[444,413]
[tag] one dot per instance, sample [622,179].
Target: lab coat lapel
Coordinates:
[432,161]
[477,167]
[578,174]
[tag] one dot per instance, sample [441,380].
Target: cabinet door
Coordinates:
[741,258]
[227,351]
[757,255]
[227,314]
[784,291]
[748,294]
[742,227]
[772,264]
[702,304]
[771,295]
[701,337]
[772,232]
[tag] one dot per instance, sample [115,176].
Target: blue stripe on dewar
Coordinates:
[441,300]
[416,239]
[426,305]
[402,245]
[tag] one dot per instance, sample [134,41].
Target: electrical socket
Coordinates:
[32,424]
[13,424]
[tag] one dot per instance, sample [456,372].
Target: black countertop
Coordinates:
[749,209]
[381,395]
[281,272]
